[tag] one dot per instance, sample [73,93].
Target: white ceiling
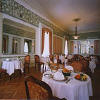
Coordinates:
[62,12]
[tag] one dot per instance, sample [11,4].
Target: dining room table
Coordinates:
[11,65]
[70,88]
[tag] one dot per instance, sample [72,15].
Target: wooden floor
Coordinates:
[15,89]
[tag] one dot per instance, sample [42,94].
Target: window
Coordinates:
[83,47]
[16,46]
[27,46]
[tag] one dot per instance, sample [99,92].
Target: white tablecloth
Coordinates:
[62,58]
[11,65]
[44,67]
[73,90]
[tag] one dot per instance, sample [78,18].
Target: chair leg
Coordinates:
[39,67]
[35,66]
[26,68]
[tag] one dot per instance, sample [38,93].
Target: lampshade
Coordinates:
[76,35]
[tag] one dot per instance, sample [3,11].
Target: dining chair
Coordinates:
[4,76]
[38,90]
[17,74]
[26,64]
[77,66]
[38,63]
[51,57]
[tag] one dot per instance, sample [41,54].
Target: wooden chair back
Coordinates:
[77,65]
[27,59]
[36,89]
[37,59]
[26,63]
[51,58]
[4,76]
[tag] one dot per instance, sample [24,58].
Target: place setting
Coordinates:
[60,75]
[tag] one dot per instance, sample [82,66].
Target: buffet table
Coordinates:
[71,90]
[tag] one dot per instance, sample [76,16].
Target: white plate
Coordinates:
[59,79]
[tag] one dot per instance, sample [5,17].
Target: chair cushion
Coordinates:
[37,92]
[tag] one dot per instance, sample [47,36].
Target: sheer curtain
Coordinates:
[46,51]
[66,48]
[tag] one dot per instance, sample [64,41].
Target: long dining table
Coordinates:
[71,90]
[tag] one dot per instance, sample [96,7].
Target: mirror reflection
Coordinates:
[17,38]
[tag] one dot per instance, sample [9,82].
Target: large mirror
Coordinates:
[17,38]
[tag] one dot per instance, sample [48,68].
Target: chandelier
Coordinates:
[76,20]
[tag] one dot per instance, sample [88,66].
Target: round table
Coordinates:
[11,65]
[72,90]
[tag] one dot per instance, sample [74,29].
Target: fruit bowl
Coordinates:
[81,77]
[66,73]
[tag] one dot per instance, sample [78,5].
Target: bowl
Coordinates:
[81,77]
[66,73]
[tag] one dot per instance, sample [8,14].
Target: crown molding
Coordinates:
[28,7]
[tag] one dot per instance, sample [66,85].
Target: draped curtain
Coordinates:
[66,47]
[4,45]
[57,45]
[46,51]
[96,46]
[50,39]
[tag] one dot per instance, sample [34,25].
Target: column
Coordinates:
[33,45]
[22,45]
[1,32]
[38,42]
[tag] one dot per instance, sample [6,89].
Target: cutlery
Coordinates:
[67,80]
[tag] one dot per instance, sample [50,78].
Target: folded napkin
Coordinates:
[69,68]
[59,76]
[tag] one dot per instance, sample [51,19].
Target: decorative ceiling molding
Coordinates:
[33,10]
[12,8]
